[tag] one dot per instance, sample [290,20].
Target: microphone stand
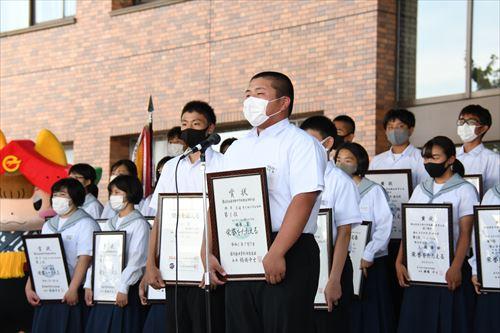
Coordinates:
[203,167]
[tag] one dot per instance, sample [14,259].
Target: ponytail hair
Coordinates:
[449,150]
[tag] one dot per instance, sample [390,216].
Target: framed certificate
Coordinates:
[427,242]
[190,236]
[103,224]
[150,220]
[360,236]
[477,181]
[108,263]
[323,237]
[47,262]
[155,295]
[487,241]
[240,221]
[398,185]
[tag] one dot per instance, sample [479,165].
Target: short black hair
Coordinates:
[130,185]
[403,115]
[174,132]
[202,108]
[75,189]
[449,150]
[88,173]
[361,156]
[322,124]
[128,164]
[347,120]
[478,111]
[226,143]
[281,83]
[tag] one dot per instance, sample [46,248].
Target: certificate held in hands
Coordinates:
[427,242]
[240,221]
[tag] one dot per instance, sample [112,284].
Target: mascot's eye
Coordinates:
[37,204]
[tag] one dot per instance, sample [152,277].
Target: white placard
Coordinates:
[190,236]
[108,263]
[241,224]
[323,237]
[360,236]
[397,184]
[427,243]
[49,274]
[156,295]
[488,247]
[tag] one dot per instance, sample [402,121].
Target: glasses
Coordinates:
[470,122]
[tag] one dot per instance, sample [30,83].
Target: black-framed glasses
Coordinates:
[470,122]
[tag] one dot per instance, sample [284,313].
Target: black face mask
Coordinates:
[193,136]
[339,140]
[436,169]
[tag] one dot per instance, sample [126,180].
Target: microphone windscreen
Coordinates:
[214,138]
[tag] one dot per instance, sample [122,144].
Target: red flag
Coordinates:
[143,159]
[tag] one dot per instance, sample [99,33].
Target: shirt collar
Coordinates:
[474,152]
[408,150]
[208,156]
[272,130]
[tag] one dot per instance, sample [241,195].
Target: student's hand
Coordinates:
[453,277]
[32,297]
[71,297]
[88,297]
[274,267]
[402,274]
[152,277]
[333,292]
[476,284]
[215,267]
[364,265]
[142,292]
[121,300]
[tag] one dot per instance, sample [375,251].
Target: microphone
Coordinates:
[213,139]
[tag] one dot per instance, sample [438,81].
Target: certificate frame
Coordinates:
[159,296]
[357,274]
[478,236]
[328,212]
[396,229]
[56,240]
[161,237]
[97,234]
[150,220]
[450,252]
[477,181]
[232,176]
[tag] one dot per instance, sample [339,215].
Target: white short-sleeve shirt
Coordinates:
[411,158]
[483,161]
[77,240]
[340,194]
[294,161]
[92,206]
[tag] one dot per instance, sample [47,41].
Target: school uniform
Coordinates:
[483,161]
[190,300]
[340,194]
[373,312]
[108,212]
[437,309]
[295,163]
[410,158]
[486,318]
[144,207]
[77,234]
[110,317]
[92,206]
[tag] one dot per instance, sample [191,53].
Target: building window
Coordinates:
[119,4]
[68,150]
[447,49]
[20,14]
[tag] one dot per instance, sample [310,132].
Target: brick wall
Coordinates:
[90,81]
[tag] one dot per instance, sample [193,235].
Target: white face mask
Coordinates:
[174,149]
[117,202]
[254,110]
[61,205]
[467,132]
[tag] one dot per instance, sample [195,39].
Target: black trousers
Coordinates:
[394,288]
[191,310]
[287,307]
[337,321]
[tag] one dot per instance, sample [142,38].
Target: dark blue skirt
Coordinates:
[373,312]
[436,309]
[487,316]
[156,320]
[111,318]
[57,318]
